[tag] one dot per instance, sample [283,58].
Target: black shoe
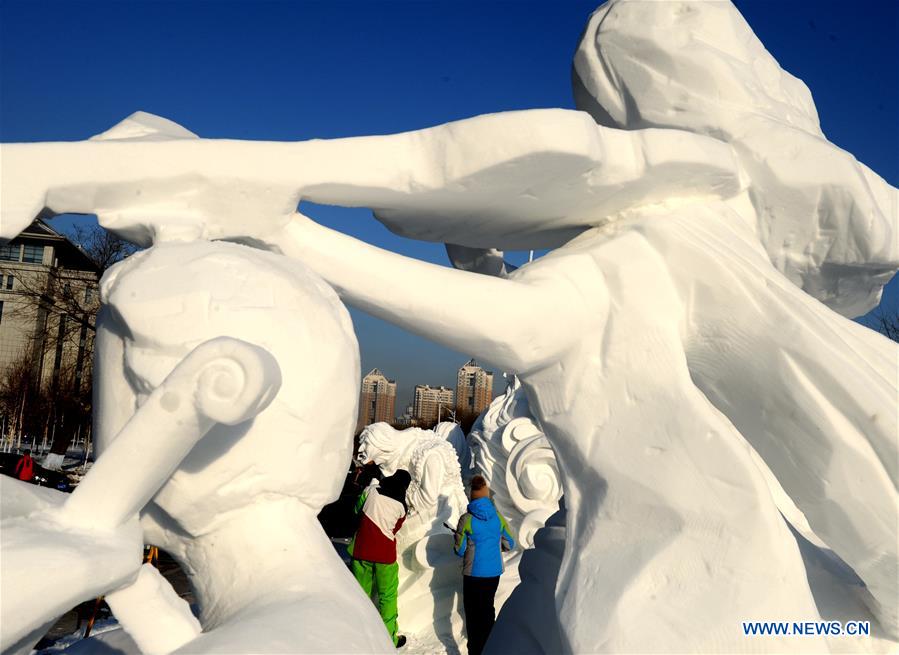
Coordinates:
[401,641]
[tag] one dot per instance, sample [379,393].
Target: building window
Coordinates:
[10,252]
[9,281]
[32,254]
[1,311]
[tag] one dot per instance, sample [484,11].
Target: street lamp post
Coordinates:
[451,413]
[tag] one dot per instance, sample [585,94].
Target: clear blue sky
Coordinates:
[298,70]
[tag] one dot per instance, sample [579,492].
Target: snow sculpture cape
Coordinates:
[672,346]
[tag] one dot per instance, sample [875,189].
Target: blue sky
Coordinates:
[298,70]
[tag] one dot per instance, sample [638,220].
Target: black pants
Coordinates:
[477,600]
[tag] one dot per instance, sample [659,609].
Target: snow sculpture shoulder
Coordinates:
[452,432]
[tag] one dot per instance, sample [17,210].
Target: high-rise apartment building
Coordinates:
[430,404]
[474,388]
[377,400]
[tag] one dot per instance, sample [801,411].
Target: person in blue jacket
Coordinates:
[481,536]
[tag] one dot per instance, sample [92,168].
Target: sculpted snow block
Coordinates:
[826,221]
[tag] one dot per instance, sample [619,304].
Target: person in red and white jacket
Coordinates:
[373,550]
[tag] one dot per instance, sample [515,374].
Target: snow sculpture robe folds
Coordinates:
[680,336]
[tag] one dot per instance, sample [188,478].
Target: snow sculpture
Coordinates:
[436,493]
[675,330]
[527,622]
[240,515]
[429,571]
[671,331]
[453,433]
[89,543]
[516,459]
[239,511]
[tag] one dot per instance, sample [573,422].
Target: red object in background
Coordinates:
[25,468]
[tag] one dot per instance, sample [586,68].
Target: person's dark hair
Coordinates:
[28,451]
[478,482]
[395,486]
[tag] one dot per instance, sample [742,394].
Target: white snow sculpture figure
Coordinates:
[653,343]
[516,459]
[825,220]
[89,543]
[239,513]
[436,493]
[619,334]
[429,571]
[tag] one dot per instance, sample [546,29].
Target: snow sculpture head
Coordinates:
[430,459]
[161,303]
[381,444]
[826,221]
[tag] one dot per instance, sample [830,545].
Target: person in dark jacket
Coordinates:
[481,536]
[373,550]
[25,467]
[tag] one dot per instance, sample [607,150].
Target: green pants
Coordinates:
[386,580]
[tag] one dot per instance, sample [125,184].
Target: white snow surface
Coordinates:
[683,349]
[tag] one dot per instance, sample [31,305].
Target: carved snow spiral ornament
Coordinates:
[510,450]
[236,381]
[532,475]
[517,431]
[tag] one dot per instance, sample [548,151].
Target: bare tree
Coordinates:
[17,387]
[70,293]
[887,324]
[102,247]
